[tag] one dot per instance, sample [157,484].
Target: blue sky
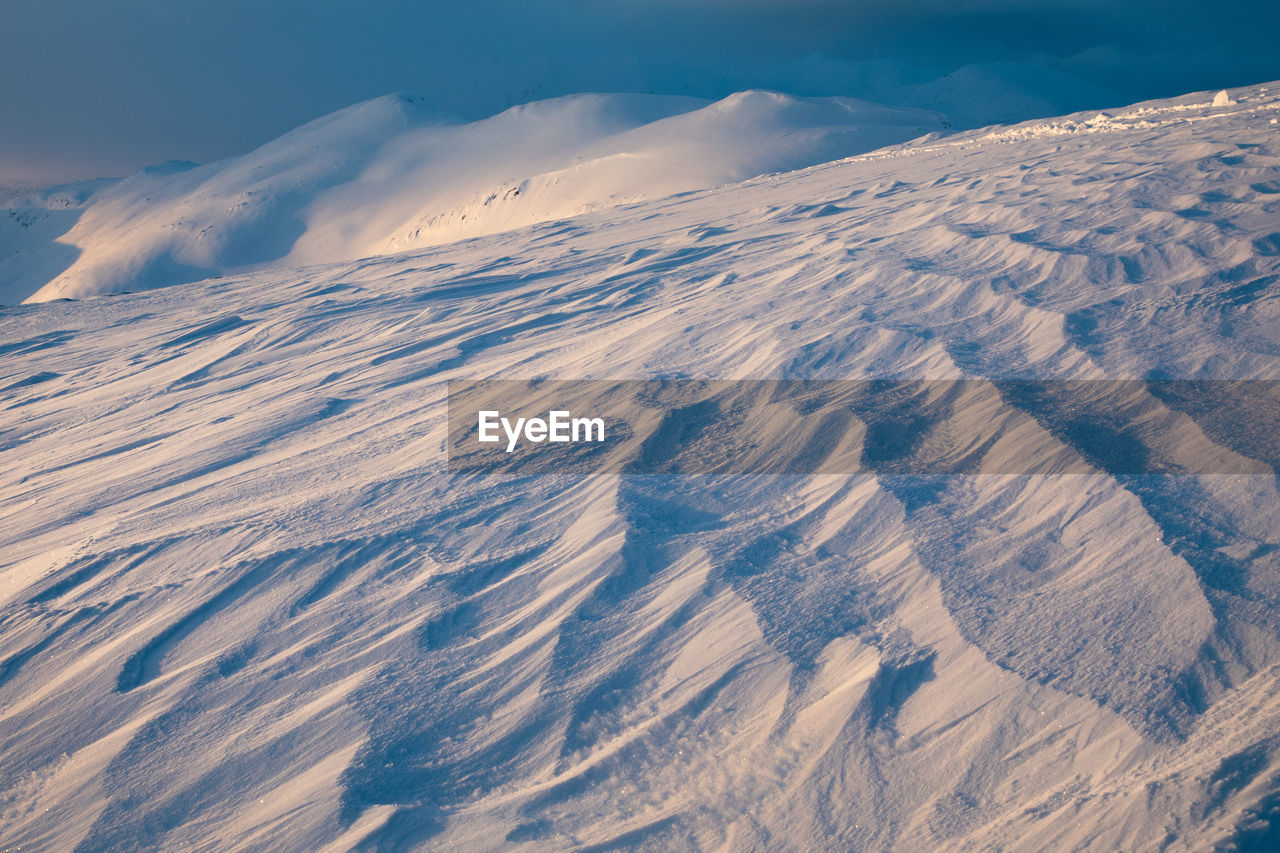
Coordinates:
[103,88]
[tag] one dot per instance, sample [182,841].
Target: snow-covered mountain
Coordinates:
[394,174]
[245,604]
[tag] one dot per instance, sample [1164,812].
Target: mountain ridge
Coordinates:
[393,173]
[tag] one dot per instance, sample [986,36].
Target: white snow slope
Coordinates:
[393,174]
[244,605]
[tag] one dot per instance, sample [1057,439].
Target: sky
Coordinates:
[94,88]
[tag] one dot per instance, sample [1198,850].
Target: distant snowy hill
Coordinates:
[1000,93]
[393,174]
[31,223]
[246,605]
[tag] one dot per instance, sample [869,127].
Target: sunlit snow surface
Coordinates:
[245,606]
[393,173]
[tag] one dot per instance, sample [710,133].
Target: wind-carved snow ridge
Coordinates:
[243,598]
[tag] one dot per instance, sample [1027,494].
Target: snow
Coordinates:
[393,174]
[246,605]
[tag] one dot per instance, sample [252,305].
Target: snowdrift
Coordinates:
[246,605]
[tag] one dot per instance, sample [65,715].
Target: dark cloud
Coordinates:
[96,87]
